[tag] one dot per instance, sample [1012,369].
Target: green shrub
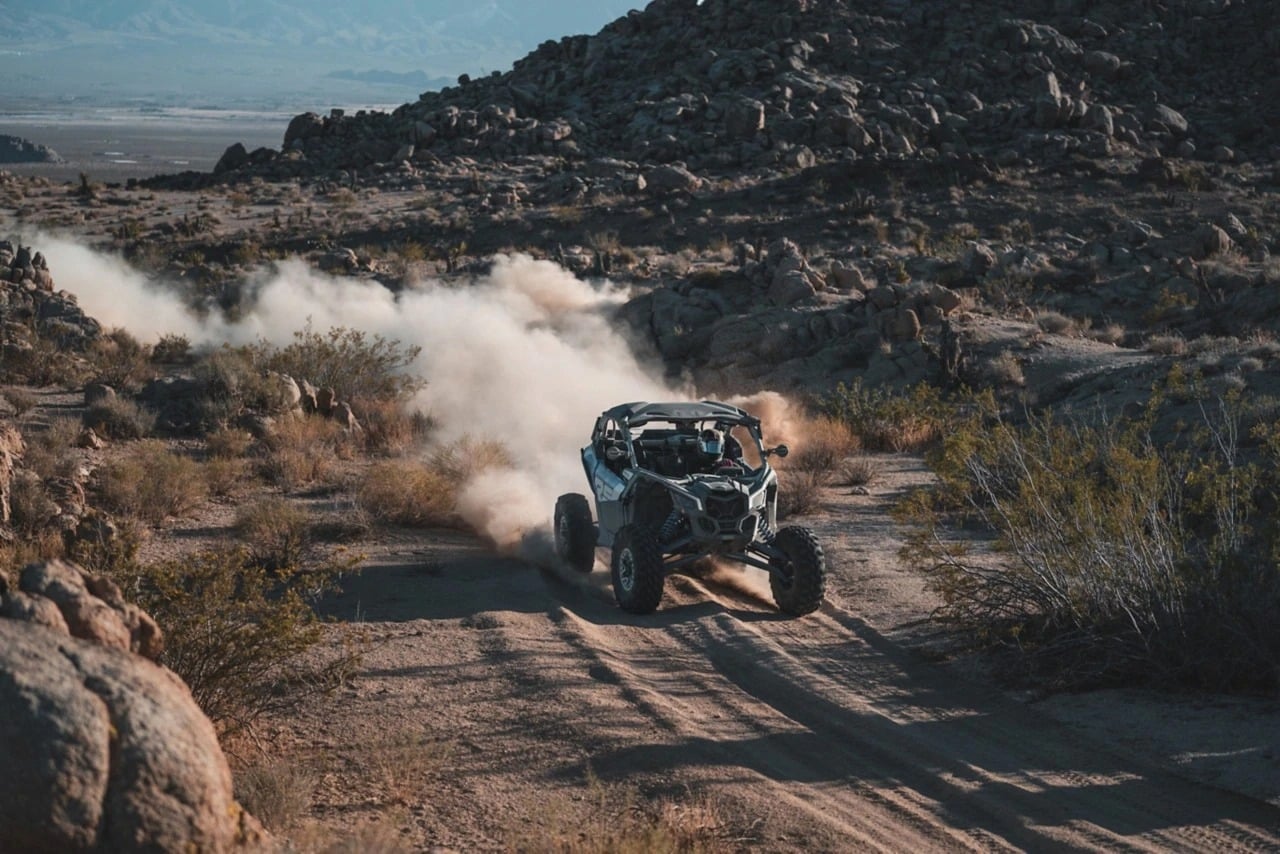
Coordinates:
[1116,558]
[354,364]
[275,532]
[121,361]
[887,420]
[242,638]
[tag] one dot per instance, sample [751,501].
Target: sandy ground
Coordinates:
[501,705]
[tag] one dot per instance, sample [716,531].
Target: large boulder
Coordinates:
[104,749]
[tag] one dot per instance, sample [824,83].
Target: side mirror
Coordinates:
[613,453]
[781,451]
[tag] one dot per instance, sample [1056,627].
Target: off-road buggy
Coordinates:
[667,496]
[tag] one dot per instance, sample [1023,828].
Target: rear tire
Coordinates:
[803,592]
[637,568]
[575,532]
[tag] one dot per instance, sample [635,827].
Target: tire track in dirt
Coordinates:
[863,736]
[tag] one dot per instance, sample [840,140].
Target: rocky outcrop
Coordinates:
[724,84]
[15,149]
[104,749]
[11,447]
[33,311]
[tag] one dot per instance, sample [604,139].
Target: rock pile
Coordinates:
[104,749]
[15,149]
[723,84]
[31,310]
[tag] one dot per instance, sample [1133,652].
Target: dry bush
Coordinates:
[390,429]
[51,452]
[800,491]
[826,443]
[43,545]
[31,505]
[21,399]
[225,476]
[121,361]
[151,483]
[463,459]
[228,443]
[1005,370]
[120,418]
[243,639]
[1112,333]
[277,792]
[859,471]
[305,450]
[404,493]
[1056,323]
[1167,345]
[275,532]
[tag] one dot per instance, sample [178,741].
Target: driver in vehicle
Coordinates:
[718,449]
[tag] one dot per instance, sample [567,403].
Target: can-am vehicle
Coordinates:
[673,484]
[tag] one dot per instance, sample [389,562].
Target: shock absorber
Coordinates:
[671,527]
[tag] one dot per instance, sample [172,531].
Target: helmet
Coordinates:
[711,444]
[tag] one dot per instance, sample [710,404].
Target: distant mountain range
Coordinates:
[212,49]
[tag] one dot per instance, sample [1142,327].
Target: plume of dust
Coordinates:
[525,356]
[746,581]
[782,420]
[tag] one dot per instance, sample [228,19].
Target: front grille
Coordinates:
[726,510]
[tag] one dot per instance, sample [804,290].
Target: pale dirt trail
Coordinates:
[815,734]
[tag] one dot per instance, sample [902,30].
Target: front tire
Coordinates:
[803,591]
[575,532]
[638,571]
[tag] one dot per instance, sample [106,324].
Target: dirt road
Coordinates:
[520,686]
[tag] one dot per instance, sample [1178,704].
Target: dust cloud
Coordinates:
[525,356]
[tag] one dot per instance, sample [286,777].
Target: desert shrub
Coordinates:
[242,638]
[228,443]
[119,360]
[825,444]
[408,493]
[21,399]
[51,452]
[858,471]
[150,483]
[887,420]
[44,363]
[277,792]
[305,450]
[236,378]
[31,505]
[275,532]
[800,491]
[389,428]
[1112,333]
[171,349]
[463,459]
[120,418]
[225,475]
[1056,323]
[354,364]
[1117,558]
[1006,370]
[1167,345]
[42,545]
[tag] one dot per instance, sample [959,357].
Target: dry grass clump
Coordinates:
[617,820]
[425,494]
[1056,323]
[120,418]
[858,471]
[1167,345]
[277,792]
[51,452]
[1112,333]
[151,483]
[1006,370]
[401,766]
[276,532]
[224,476]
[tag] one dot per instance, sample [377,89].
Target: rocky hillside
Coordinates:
[723,85]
